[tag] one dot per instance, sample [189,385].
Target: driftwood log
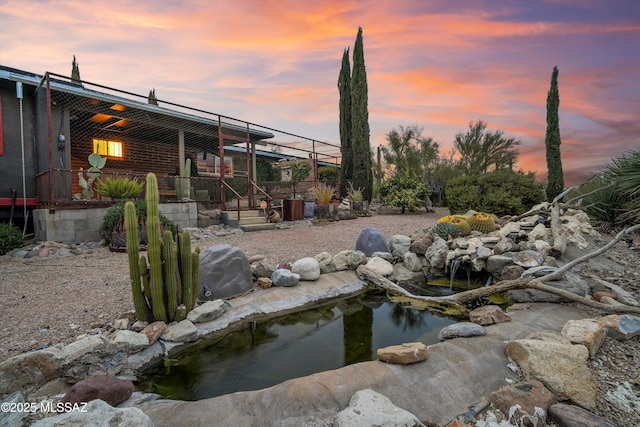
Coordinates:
[454,304]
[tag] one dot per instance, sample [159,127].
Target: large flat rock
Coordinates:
[459,373]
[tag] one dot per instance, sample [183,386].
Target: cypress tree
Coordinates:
[344,87]
[75,72]
[555,180]
[360,120]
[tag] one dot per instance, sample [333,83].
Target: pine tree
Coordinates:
[346,149]
[360,120]
[75,72]
[151,99]
[555,180]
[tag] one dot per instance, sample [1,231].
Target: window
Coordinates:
[209,164]
[108,148]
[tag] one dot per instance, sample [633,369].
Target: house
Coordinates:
[51,124]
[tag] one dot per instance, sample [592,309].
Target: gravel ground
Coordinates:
[50,300]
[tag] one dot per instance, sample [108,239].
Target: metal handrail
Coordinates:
[238,196]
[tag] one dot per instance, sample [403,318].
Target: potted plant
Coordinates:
[356,196]
[322,193]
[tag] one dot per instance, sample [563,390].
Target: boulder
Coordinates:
[436,254]
[528,400]
[350,260]
[112,390]
[483,252]
[561,368]
[28,371]
[540,232]
[399,244]
[183,331]
[225,271]
[495,263]
[368,408]
[371,240]
[208,311]
[98,413]
[488,315]
[505,245]
[129,341]
[461,330]
[380,266]
[308,268]
[588,332]
[325,261]
[420,243]
[572,283]
[154,330]
[573,416]
[403,354]
[404,276]
[285,278]
[528,258]
[412,262]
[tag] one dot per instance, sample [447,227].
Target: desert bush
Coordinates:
[501,192]
[10,238]
[404,192]
[113,222]
[120,188]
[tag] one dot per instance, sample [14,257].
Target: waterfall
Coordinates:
[455,263]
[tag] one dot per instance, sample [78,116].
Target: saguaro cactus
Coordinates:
[165,286]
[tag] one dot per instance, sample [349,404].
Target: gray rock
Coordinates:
[129,341]
[262,269]
[412,262]
[540,271]
[284,277]
[10,419]
[208,311]
[573,416]
[325,261]
[495,263]
[184,331]
[483,252]
[528,258]
[621,327]
[308,268]
[437,253]
[399,244]
[505,245]
[573,284]
[368,408]
[349,260]
[380,266]
[461,330]
[511,272]
[98,413]
[384,255]
[371,240]
[28,371]
[225,271]
[405,276]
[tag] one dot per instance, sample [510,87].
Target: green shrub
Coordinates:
[404,192]
[328,173]
[603,206]
[113,223]
[625,171]
[10,238]
[501,192]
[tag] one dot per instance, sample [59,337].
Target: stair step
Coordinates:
[253,220]
[257,227]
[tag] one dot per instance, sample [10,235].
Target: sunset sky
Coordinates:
[438,64]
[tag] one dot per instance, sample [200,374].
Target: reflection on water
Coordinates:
[300,344]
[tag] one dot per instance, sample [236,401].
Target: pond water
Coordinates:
[270,352]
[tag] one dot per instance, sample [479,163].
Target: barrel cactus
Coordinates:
[482,222]
[164,284]
[459,221]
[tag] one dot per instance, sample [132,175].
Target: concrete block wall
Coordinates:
[82,225]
